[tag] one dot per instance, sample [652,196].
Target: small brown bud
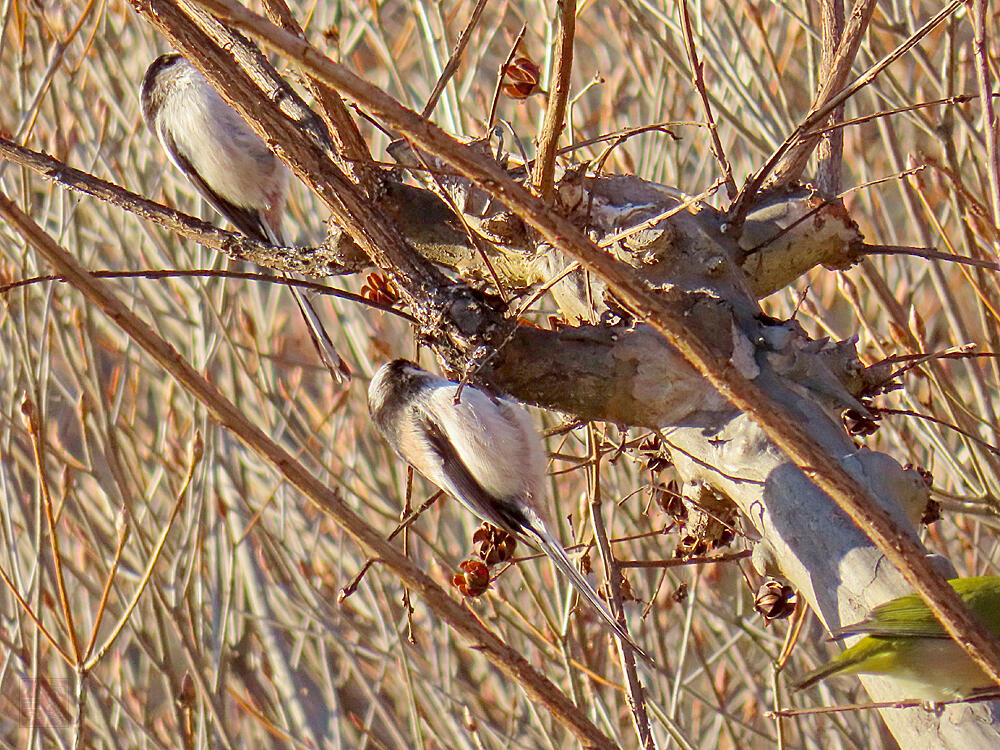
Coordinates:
[121,525]
[186,696]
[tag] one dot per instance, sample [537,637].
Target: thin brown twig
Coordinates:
[981,47]
[680,562]
[698,79]
[277,732]
[403,514]
[895,177]
[792,712]
[30,412]
[634,693]
[123,535]
[543,175]
[171,273]
[625,133]
[408,521]
[862,119]
[501,72]
[455,59]
[234,244]
[929,253]
[943,423]
[919,358]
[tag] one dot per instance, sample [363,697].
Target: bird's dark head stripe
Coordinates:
[392,389]
[150,93]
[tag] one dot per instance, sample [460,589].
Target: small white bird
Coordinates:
[482,450]
[228,164]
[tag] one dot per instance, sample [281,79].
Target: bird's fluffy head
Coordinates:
[160,72]
[395,383]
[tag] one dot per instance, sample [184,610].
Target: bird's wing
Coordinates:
[494,439]
[869,655]
[909,617]
[444,467]
[906,617]
[248,221]
[252,224]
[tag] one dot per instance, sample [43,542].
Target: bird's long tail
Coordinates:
[847,662]
[819,674]
[554,550]
[269,226]
[320,338]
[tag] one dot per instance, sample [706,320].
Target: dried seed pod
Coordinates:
[707,519]
[626,589]
[520,78]
[774,600]
[656,458]
[586,567]
[858,424]
[932,513]
[379,288]
[474,578]
[670,502]
[493,545]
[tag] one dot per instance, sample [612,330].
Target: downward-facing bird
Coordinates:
[903,640]
[227,163]
[482,450]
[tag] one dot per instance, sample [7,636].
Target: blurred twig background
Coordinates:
[239,637]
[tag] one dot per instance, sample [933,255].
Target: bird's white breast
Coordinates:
[229,157]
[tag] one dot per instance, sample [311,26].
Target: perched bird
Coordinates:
[482,450]
[227,163]
[904,641]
